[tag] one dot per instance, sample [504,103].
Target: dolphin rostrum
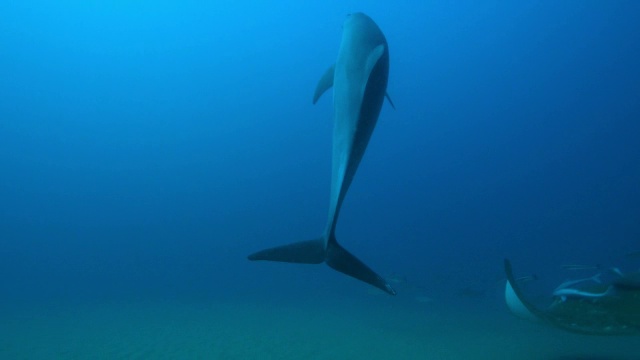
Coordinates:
[359,80]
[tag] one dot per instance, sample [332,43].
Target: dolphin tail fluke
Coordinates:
[343,261]
[303,252]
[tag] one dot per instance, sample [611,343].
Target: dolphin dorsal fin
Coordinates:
[326,82]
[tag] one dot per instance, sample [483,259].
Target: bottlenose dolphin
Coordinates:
[359,80]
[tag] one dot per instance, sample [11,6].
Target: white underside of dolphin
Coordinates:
[359,81]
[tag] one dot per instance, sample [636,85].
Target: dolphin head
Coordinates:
[360,23]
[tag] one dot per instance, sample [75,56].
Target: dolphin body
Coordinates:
[359,80]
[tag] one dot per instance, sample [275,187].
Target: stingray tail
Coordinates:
[315,252]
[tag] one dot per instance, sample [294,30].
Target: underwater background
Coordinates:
[146,148]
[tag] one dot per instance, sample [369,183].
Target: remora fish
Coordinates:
[580,267]
[526,279]
[359,80]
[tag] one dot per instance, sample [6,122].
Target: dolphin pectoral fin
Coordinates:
[386,94]
[343,261]
[303,252]
[326,82]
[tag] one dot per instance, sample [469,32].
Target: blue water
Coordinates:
[146,148]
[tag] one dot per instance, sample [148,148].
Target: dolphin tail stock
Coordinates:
[339,259]
[315,252]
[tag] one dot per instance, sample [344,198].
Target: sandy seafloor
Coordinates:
[316,327]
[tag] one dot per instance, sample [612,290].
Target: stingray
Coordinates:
[616,312]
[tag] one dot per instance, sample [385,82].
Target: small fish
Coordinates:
[634,255]
[581,267]
[423,299]
[471,293]
[526,279]
[397,278]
